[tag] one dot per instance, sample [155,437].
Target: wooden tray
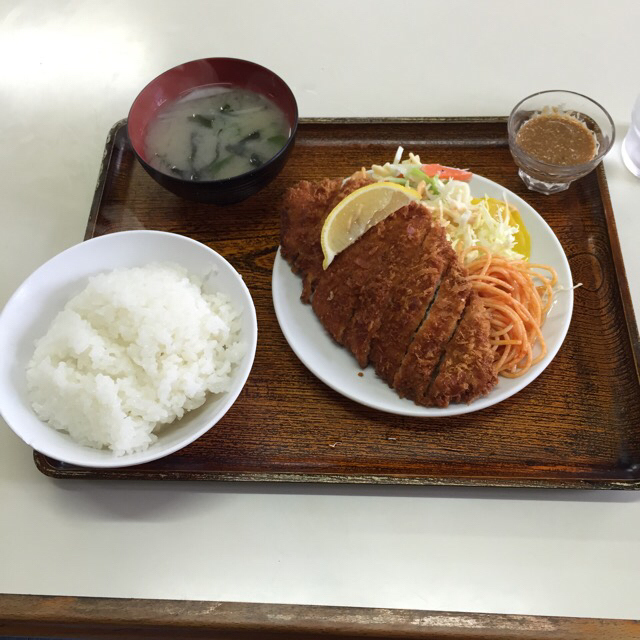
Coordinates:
[577,425]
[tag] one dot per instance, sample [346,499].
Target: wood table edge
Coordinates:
[84,617]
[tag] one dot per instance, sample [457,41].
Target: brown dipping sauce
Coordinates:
[557,139]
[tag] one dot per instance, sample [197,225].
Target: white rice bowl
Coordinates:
[133,351]
[139,363]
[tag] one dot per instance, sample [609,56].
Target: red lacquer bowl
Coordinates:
[174,83]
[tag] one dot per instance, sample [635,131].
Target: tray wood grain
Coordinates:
[577,425]
[70,617]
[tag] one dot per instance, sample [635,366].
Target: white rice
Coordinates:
[134,351]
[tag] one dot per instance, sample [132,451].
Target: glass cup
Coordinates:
[545,177]
[631,143]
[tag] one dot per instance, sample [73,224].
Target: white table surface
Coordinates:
[69,71]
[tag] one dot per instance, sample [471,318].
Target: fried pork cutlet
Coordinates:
[411,295]
[398,297]
[414,375]
[466,370]
[401,238]
[338,289]
[305,209]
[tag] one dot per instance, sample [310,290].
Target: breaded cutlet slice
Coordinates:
[342,287]
[305,208]
[409,294]
[466,371]
[414,375]
[397,271]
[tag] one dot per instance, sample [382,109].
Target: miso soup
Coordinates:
[214,133]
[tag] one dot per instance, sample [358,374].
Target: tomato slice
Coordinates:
[446,173]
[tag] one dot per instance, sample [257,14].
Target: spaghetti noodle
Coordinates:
[517,307]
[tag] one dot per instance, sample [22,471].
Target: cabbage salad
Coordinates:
[468,221]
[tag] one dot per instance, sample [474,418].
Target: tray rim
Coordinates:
[83,616]
[45,466]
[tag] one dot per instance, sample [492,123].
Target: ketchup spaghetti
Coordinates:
[517,296]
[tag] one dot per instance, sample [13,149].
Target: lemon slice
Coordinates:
[522,239]
[358,212]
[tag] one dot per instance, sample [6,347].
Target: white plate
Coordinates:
[336,367]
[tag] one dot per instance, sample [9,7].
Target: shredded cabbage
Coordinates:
[467,223]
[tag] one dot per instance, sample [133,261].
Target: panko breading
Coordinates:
[413,293]
[467,368]
[338,289]
[398,270]
[306,206]
[413,376]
